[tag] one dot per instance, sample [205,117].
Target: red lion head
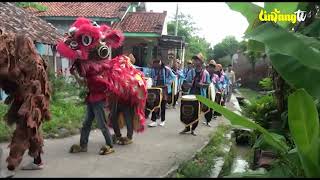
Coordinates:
[87,40]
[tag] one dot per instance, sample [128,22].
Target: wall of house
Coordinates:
[250,78]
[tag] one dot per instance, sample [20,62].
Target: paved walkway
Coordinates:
[152,154]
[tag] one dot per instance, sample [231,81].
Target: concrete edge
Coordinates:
[176,167]
[216,171]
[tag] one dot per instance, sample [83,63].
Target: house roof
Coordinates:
[17,20]
[146,22]
[85,9]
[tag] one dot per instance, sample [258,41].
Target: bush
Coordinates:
[266,84]
[259,109]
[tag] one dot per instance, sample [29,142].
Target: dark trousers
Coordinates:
[218,101]
[128,117]
[176,97]
[208,115]
[95,110]
[155,114]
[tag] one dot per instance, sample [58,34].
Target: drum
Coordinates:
[190,110]
[212,92]
[154,99]
[174,89]
[165,95]
[184,88]
[211,95]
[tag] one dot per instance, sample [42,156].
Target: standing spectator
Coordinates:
[232,80]
[185,73]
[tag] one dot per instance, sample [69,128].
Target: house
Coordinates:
[44,35]
[143,30]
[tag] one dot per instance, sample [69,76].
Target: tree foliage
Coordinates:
[227,47]
[35,5]
[187,29]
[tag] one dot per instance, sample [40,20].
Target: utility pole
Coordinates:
[176,31]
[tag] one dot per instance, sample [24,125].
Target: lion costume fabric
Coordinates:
[89,46]
[24,78]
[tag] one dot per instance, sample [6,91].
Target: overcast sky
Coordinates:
[215,19]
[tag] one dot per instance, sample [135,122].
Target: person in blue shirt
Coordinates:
[162,76]
[185,72]
[198,80]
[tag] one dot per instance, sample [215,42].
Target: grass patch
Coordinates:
[203,162]
[65,115]
[249,94]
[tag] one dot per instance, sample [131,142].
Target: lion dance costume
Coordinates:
[88,45]
[24,78]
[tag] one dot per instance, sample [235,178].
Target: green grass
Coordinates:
[202,164]
[249,94]
[67,115]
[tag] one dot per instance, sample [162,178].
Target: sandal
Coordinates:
[77,148]
[124,141]
[106,150]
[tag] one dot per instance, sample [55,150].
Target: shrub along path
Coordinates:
[152,154]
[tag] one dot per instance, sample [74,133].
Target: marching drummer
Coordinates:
[214,79]
[163,77]
[185,73]
[198,80]
[221,84]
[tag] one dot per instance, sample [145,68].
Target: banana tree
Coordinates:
[303,125]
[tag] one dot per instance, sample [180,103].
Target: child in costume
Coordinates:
[108,80]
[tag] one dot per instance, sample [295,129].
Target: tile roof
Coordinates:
[150,22]
[17,20]
[86,9]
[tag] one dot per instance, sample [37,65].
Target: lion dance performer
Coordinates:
[108,80]
[24,78]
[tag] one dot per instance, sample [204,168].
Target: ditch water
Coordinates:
[240,163]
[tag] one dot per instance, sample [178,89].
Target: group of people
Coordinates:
[117,85]
[194,79]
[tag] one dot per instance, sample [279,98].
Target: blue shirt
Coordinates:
[166,77]
[204,78]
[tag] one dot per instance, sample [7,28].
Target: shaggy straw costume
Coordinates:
[23,77]
[89,44]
